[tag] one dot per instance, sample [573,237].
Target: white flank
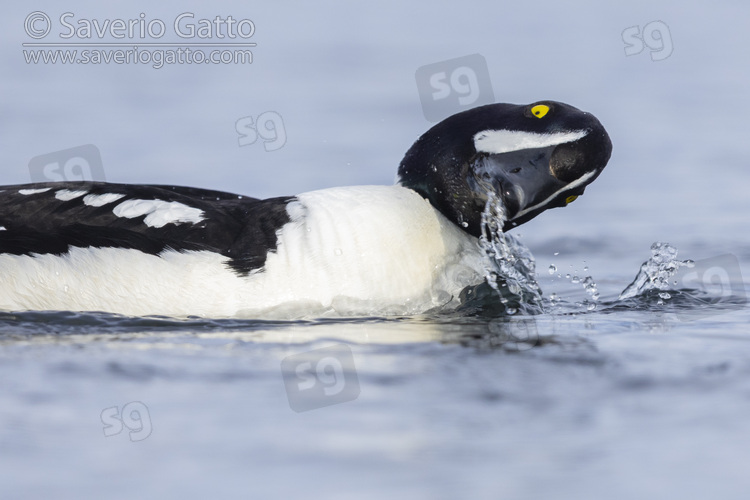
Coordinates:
[158,213]
[67,194]
[347,251]
[32,191]
[505,141]
[121,281]
[2,228]
[98,200]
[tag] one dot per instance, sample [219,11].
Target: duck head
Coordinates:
[533,157]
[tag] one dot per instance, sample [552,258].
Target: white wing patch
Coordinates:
[67,194]
[158,213]
[27,192]
[98,200]
[505,141]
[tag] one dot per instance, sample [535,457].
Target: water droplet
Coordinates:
[591,306]
[690,263]
[575,279]
[338,251]
[511,310]
[465,224]
[567,276]
[65,288]
[552,269]
[553,296]
[556,253]
[585,268]
[665,295]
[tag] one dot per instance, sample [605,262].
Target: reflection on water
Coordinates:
[515,333]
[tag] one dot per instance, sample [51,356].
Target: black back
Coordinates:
[241,228]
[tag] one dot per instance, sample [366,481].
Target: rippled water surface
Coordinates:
[591,393]
[452,406]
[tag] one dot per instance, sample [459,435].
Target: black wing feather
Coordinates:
[241,228]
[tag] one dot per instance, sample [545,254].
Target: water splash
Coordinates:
[656,272]
[587,283]
[511,268]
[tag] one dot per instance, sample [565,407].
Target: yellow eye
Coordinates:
[539,110]
[570,199]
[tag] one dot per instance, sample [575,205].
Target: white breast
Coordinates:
[366,249]
[350,250]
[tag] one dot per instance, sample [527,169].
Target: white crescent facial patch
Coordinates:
[567,187]
[505,141]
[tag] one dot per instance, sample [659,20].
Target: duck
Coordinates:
[407,248]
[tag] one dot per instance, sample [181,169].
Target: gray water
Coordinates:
[639,397]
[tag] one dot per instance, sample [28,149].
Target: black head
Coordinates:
[534,157]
